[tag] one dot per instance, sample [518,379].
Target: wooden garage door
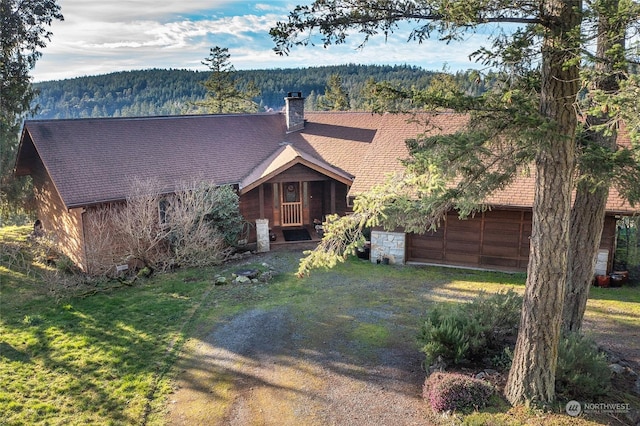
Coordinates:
[496,239]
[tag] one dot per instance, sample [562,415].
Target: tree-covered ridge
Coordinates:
[120,94]
[172,91]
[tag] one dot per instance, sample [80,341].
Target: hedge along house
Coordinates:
[289,168]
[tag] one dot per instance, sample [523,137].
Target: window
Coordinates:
[163,206]
[291,193]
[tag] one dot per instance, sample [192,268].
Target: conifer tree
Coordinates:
[532,120]
[335,97]
[224,94]
[23,31]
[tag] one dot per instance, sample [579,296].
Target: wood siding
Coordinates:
[299,173]
[250,208]
[319,202]
[497,239]
[62,224]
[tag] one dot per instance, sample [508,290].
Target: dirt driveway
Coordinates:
[336,354]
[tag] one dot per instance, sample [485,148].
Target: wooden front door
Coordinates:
[291,213]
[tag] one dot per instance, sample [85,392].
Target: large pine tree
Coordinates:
[552,36]
[223,92]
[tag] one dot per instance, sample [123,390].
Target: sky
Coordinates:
[99,37]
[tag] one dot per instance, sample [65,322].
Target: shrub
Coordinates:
[471,330]
[500,314]
[194,239]
[224,214]
[65,265]
[453,391]
[504,359]
[188,227]
[451,334]
[582,370]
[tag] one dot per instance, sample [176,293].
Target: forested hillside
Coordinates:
[172,92]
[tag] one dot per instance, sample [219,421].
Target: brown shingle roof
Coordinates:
[93,160]
[339,138]
[389,146]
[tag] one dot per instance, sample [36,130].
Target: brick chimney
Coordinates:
[294,111]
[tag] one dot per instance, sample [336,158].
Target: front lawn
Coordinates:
[96,360]
[108,358]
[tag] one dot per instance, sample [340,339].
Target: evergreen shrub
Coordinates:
[469,331]
[582,371]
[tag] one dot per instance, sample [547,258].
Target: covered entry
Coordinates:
[292,188]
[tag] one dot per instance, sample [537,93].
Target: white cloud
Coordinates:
[119,10]
[99,37]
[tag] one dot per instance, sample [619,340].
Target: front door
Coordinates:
[291,214]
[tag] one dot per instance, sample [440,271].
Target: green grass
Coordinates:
[109,358]
[97,360]
[620,305]
[10,234]
[94,360]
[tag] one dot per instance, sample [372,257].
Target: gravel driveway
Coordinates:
[279,378]
[280,366]
[318,360]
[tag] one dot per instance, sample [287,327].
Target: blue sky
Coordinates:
[99,37]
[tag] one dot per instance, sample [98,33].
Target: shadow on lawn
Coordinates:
[94,360]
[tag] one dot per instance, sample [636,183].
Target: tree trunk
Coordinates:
[588,212]
[587,222]
[532,374]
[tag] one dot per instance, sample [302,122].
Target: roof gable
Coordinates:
[283,159]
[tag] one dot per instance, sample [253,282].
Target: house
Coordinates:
[289,168]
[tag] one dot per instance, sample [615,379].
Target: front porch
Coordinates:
[292,205]
[292,191]
[280,239]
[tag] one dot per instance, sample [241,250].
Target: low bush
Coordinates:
[500,314]
[449,334]
[582,370]
[471,331]
[455,392]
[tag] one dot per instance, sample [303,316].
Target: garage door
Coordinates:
[496,239]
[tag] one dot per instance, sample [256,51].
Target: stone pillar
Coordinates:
[389,245]
[262,230]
